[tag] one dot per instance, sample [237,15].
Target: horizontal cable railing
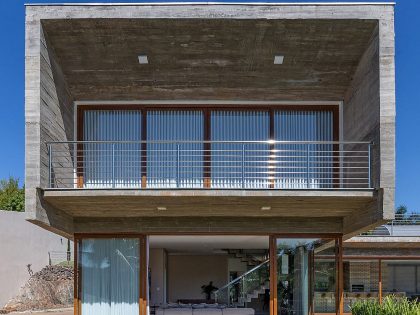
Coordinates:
[210,164]
[403,225]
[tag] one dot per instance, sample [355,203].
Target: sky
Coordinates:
[407,29]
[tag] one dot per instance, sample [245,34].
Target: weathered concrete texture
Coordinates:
[199,59]
[49,117]
[369,114]
[227,225]
[332,52]
[404,252]
[396,242]
[202,203]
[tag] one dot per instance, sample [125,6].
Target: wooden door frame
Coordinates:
[144,256]
[338,249]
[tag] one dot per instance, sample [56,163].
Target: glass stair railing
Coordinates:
[240,291]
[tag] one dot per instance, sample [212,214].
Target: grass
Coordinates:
[391,305]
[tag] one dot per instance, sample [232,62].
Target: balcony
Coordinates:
[221,165]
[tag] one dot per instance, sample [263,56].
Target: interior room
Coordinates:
[200,271]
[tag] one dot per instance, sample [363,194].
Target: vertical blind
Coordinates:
[110,277]
[175,164]
[112,164]
[304,125]
[239,165]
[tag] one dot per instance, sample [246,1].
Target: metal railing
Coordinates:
[210,164]
[63,258]
[239,291]
[403,225]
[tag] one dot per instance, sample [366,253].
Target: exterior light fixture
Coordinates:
[278,59]
[143,60]
[161,208]
[265,208]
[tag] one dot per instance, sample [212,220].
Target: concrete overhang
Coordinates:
[395,242]
[207,203]
[199,58]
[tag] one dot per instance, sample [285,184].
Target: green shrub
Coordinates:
[391,305]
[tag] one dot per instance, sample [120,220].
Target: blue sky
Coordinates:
[407,22]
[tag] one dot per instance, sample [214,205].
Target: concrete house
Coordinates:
[204,157]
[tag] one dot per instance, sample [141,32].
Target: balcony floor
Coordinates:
[205,203]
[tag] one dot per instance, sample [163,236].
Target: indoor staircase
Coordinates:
[242,290]
[252,258]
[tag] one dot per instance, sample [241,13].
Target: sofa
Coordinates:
[201,309]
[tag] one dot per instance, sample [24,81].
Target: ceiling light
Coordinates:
[143,60]
[265,208]
[278,59]
[161,208]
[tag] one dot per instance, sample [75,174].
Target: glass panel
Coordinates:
[363,281]
[299,274]
[175,164]
[303,165]
[112,164]
[324,285]
[110,276]
[293,275]
[401,278]
[240,165]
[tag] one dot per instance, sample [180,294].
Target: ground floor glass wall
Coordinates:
[301,278]
[259,275]
[110,276]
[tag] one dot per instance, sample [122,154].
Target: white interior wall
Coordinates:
[187,273]
[157,266]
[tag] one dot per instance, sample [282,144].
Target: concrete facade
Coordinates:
[21,244]
[364,85]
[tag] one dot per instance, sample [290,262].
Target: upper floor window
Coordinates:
[207,148]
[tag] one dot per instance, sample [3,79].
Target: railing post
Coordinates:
[307,166]
[113,165]
[49,166]
[369,166]
[243,166]
[243,291]
[177,165]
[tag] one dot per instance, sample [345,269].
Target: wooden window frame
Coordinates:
[206,109]
[143,262]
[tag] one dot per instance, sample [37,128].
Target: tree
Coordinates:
[401,210]
[12,197]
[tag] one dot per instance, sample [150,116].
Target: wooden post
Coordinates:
[273,275]
[340,276]
[76,286]
[143,275]
[380,281]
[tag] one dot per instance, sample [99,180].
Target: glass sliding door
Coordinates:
[242,164]
[178,162]
[109,276]
[293,275]
[304,166]
[305,283]
[111,159]
[325,274]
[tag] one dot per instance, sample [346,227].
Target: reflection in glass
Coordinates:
[293,275]
[324,285]
[109,276]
